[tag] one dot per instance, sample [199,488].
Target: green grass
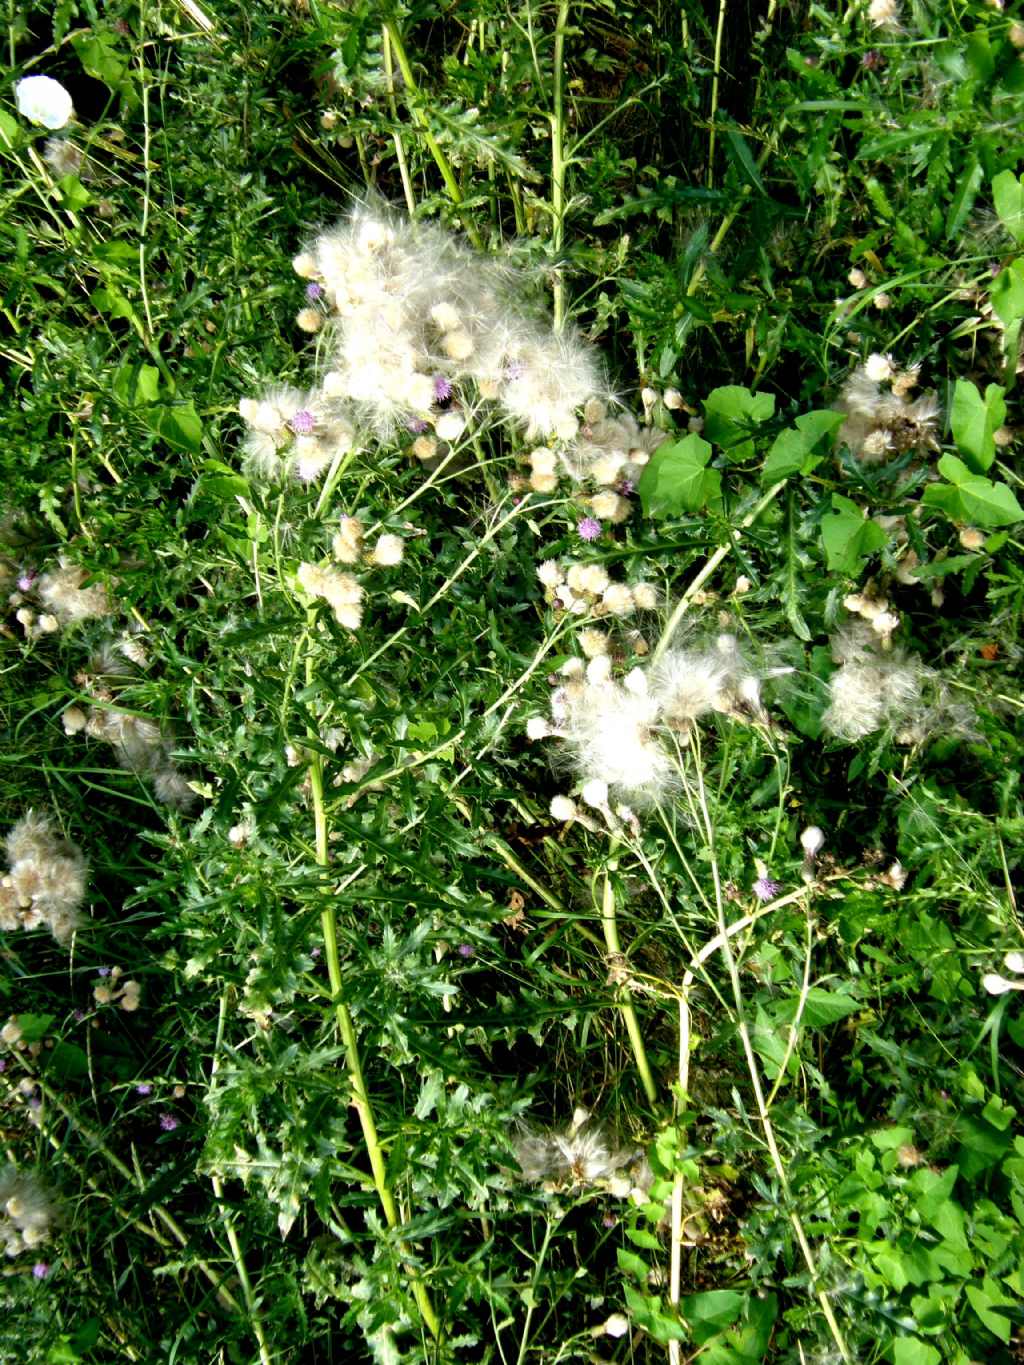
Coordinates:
[370,958]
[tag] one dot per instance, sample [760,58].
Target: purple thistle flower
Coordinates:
[765,889]
[26,580]
[466,950]
[626,487]
[315,953]
[168,1123]
[303,422]
[589,529]
[314,292]
[515,369]
[442,388]
[102,971]
[416,425]
[40,1270]
[144,1089]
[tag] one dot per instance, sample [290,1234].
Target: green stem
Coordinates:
[403,165]
[252,1307]
[558,163]
[420,118]
[714,91]
[611,938]
[360,1097]
[709,568]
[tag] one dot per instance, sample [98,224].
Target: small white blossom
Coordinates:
[44,101]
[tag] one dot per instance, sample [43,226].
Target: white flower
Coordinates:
[43,100]
[1014,962]
[998,985]
[595,793]
[563,808]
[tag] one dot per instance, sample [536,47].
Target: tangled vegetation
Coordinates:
[511,655]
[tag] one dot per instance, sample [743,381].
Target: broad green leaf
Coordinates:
[177,424]
[821,1007]
[1007,293]
[849,537]
[791,449]
[971,497]
[631,1264]
[676,479]
[9,129]
[716,1308]
[731,413]
[112,301]
[914,1351]
[985,1298]
[102,56]
[1008,195]
[73,194]
[974,419]
[136,383]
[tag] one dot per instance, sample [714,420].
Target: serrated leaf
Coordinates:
[676,478]
[974,420]
[1008,196]
[849,537]
[821,1007]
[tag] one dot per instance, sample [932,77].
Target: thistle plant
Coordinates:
[511,575]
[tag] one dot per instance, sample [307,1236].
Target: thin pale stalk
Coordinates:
[767,1127]
[558,163]
[611,937]
[709,568]
[360,1097]
[251,1306]
[420,118]
[716,76]
[403,165]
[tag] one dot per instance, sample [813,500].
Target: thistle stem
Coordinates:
[709,568]
[359,1095]
[420,118]
[558,164]
[611,938]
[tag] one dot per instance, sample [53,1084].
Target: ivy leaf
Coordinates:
[730,412]
[975,420]
[1008,195]
[849,537]
[791,449]
[971,497]
[676,479]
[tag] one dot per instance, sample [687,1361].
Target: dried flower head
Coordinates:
[46,881]
[27,1213]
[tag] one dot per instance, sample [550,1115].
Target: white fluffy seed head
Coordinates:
[563,808]
[595,793]
[537,728]
[388,551]
[450,425]
[812,841]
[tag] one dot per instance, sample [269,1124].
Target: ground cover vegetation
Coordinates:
[511,650]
